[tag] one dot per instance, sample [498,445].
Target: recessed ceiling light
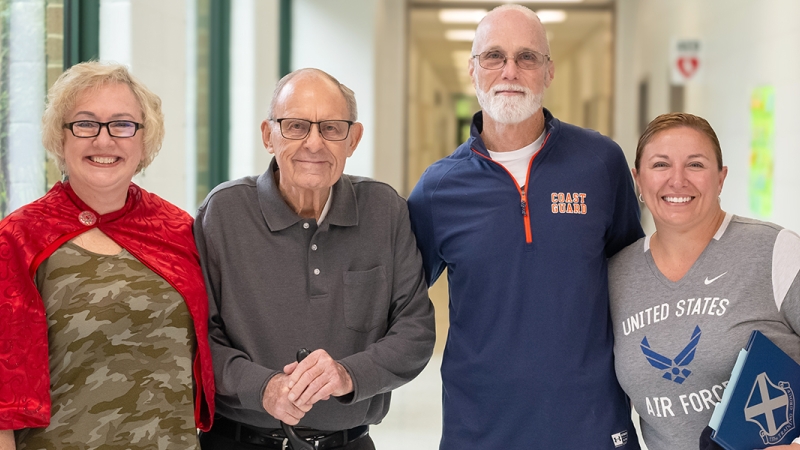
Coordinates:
[461,15]
[460,35]
[551,15]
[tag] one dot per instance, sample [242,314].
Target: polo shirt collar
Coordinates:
[344,210]
[279,216]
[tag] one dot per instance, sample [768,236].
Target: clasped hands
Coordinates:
[291,394]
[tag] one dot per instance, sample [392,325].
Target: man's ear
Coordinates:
[266,133]
[356,133]
[471,67]
[550,74]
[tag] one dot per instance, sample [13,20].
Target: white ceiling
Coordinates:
[428,33]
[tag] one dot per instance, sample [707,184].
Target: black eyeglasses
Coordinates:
[331,130]
[527,60]
[115,128]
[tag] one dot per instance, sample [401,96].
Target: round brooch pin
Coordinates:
[87,218]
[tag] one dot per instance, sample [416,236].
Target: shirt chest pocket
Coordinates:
[366,299]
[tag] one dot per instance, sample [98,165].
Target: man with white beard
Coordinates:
[524,216]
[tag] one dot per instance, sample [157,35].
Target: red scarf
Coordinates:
[154,231]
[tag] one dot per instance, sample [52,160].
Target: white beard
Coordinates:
[509,110]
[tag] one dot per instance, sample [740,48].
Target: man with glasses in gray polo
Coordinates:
[303,256]
[524,216]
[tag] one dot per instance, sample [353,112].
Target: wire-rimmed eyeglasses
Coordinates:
[527,60]
[331,130]
[115,128]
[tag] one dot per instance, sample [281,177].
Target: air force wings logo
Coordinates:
[771,407]
[674,369]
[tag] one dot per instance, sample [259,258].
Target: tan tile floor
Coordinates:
[415,417]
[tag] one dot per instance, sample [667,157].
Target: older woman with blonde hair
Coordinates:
[104,310]
[685,299]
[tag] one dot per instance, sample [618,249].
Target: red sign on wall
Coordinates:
[686,60]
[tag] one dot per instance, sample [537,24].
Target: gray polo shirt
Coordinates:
[352,286]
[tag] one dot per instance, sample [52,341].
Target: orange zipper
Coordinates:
[523,196]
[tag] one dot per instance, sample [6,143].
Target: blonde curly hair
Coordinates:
[90,76]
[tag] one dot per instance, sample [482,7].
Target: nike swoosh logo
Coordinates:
[713,279]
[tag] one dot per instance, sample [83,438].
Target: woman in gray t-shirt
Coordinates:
[685,299]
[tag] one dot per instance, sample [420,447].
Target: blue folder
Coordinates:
[758,408]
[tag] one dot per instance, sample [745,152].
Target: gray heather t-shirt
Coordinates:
[676,342]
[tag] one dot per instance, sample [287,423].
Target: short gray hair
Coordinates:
[347,93]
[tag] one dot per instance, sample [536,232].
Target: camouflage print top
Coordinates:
[121,344]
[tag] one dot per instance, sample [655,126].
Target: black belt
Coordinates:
[321,440]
